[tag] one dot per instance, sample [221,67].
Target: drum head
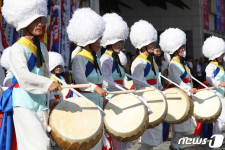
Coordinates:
[180,107]
[207,106]
[158,105]
[126,117]
[129,84]
[76,123]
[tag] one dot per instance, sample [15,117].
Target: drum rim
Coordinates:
[140,129]
[189,112]
[208,119]
[156,122]
[66,143]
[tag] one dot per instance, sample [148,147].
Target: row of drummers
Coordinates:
[78,123]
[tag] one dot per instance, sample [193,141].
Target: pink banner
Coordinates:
[206,14]
[222,15]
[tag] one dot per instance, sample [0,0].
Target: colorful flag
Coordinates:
[56,31]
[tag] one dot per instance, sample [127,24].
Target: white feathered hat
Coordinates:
[21,13]
[85,27]
[213,47]
[5,58]
[171,40]
[142,33]
[55,59]
[123,58]
[116,29]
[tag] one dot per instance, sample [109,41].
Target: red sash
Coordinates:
[119,82]
[152,81]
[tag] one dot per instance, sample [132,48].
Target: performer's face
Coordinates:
[57,69]
[157,52]
[96,45]
[118,46]
[36,27]
[151,47]
[220,59]
[182,50]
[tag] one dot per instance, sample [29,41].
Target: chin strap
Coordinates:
[95,60]
[150,58]
[117,60]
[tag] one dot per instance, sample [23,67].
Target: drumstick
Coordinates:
[139,80]
[209,88]
[121,88]
[199,82]
[76,86]
[76,92]
[122,92]
[173,83]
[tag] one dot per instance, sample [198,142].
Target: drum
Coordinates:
[207,106]
[76,123]
[180,106]
[129,84]
[158,105]
[126,117]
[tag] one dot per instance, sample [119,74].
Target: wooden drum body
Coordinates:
[207,106]
[180,106]
[157,103]
[126,117]
[76,123]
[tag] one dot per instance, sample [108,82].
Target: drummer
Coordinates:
[214,49]
[86,29]
[56,66]
[116,31]
[143,36]
[173,42]
[29,65]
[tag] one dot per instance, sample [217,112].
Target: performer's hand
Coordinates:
[105,101]
[222,84]
[54,87]
[100,91]
[193,90]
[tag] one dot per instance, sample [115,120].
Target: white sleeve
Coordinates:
[137,71]
[79,68]
[106,67]
[27,80]
[174,75]
[46,70]
[210,75]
